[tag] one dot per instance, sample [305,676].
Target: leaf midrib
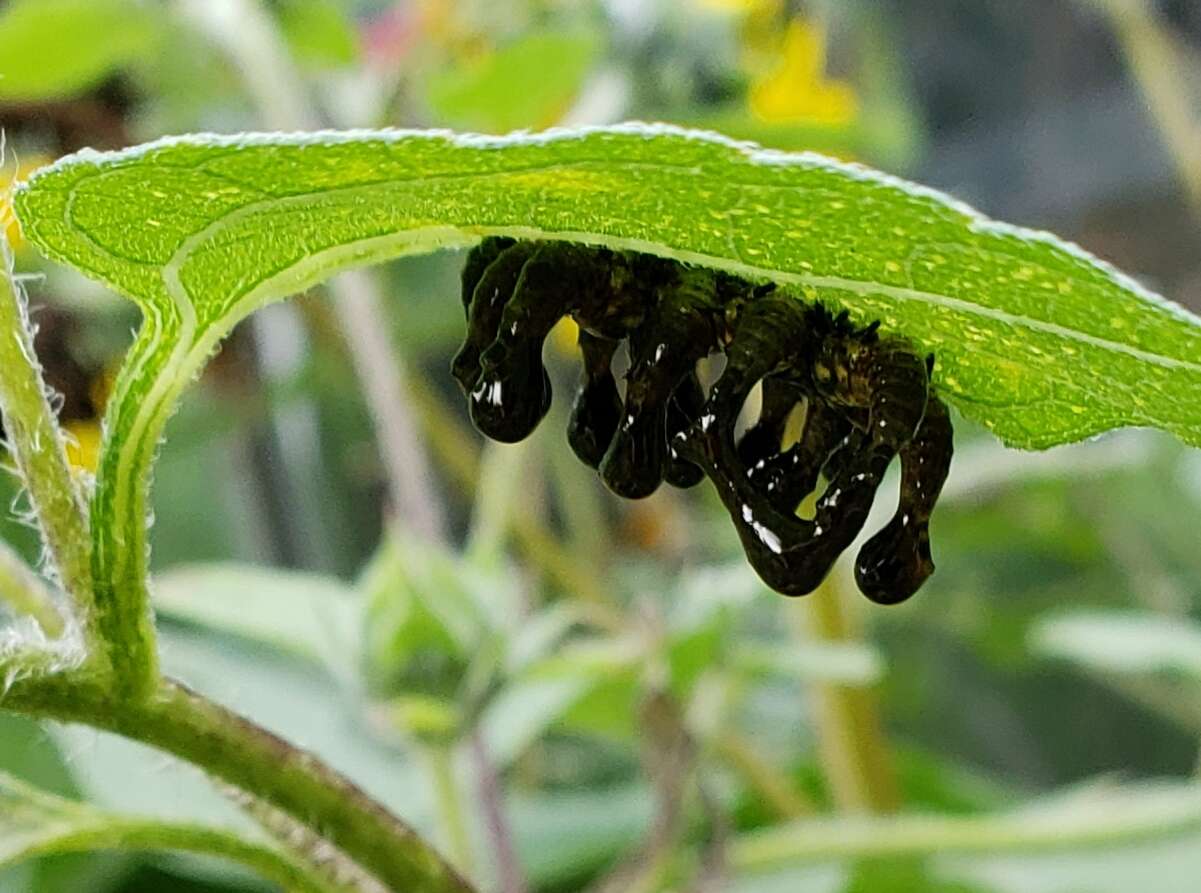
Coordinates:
[186,303]
[263,291]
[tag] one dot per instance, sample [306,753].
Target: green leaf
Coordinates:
[24,594]
[1174,864]
[305,614]
[608,674]
[35,823]
[1121,642]
[1034,339]
[1097,816]
[54,48]
[523,711]
[319,32]
[528,83]
[844,663]
[901,876]
[422,624]
[430,720]
[563,838]
[540,634]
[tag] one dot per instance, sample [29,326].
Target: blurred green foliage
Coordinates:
[529,83]
[89,40]
[628,678]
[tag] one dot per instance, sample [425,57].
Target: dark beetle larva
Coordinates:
[866,399]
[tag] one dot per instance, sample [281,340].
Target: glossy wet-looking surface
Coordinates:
[866,399]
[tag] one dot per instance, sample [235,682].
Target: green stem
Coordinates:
[120,833]
[144,396]
[450,807]
[1163,74]
[501,479]
[36,442]
[772,786]
[184,723]
[313,850]
[854,752]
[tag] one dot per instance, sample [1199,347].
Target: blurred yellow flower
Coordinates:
[797,89]
[83,444]
[84,436]
[9,175]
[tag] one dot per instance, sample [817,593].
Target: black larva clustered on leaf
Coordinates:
[866,399]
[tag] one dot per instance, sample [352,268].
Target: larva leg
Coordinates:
[769,339]
[597,410]
[894,563]
[494,286]
[513,391]
[683,409]
[788,477]
[792,554]
[763,439]
[664,353]
[479,259]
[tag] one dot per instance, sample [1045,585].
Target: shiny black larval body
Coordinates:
[866,399]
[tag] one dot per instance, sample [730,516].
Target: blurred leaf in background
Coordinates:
[529,83]
[55,48]
[321,33]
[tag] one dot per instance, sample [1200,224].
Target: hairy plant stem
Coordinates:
[36,443]
[184,723]
[854,752]
[328,861]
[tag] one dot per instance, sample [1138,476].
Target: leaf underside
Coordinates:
[1034,339]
